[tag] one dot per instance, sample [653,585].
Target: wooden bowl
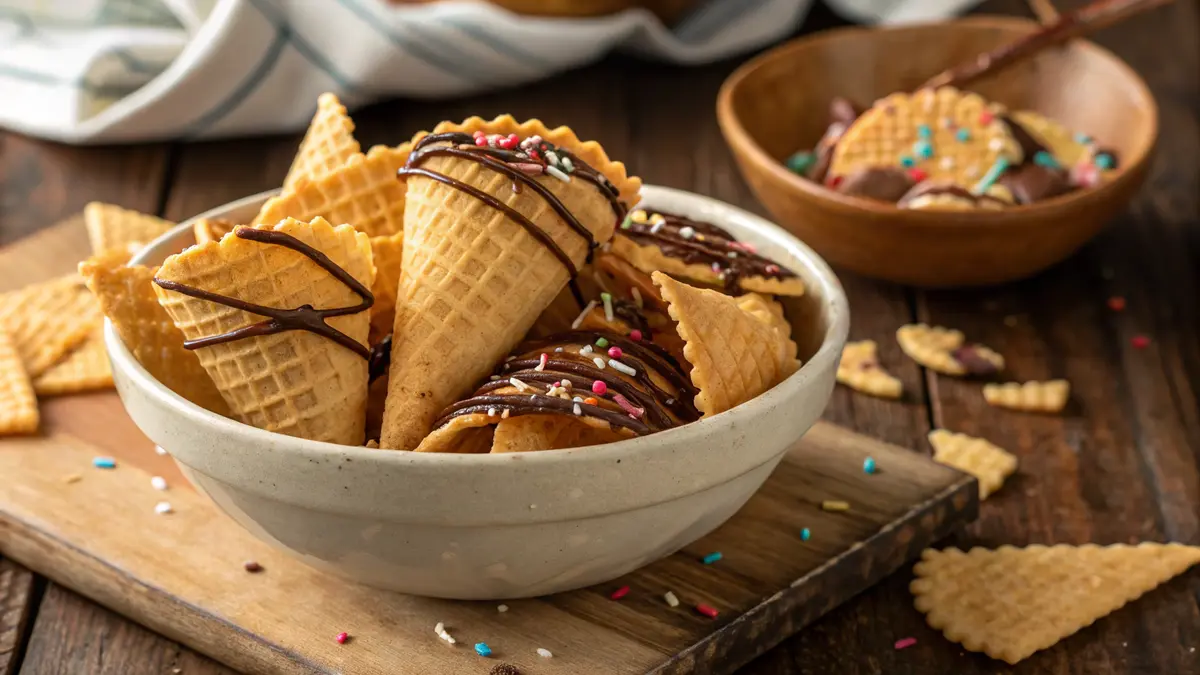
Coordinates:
[777,104]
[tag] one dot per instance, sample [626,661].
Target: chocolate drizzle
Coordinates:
[462,146]
[707,245]
[305,317]
[380,359]
[660,408]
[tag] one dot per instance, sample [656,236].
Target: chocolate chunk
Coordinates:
[1029,143]
[973,362]
[885,184]
[1032,182]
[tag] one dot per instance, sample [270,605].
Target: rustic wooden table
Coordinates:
[1122,465]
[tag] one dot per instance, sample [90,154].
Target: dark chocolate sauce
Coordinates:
[305,317]
[381,358]
[931,189]
[709,245]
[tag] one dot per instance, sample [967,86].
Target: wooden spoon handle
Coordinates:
[1086,19]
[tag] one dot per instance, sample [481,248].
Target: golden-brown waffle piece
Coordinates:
[328,144]
[859,369]
[989,463]
[84,369]
[388,253]
[211,229]
[532,433]
[1063,143]
[1049,397]
[1011,602]
[943,350]
[110,226]
[47,320]
[18,405]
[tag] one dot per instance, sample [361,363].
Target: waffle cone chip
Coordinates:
[1049,397]
[328,144]
[18,405]
[293,382]
[737,348]
[650,258]
[473,280]
[211,229]
[1011,602]
[989,463]
[84,369]
[387,252]
[1062,143]
[532,433]
[859,369]
[110,226]
[47,320]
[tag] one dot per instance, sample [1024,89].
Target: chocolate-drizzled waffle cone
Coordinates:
[473,279]
[549,432]
[363,192]
[294,382]
[328,144]
[650,258]
[738,347]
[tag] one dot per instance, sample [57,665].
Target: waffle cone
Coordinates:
[295,382]
[650,258]
[530,433]
[387,252]
[468,434]
[363,192]
[737,346]
[328,144]
[473,281]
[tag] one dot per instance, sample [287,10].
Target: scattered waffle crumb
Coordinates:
[504,669]
[943,350]
[987,462]
[860,370]
[1050,396]
[73,478]
[835,505]
[1011,602]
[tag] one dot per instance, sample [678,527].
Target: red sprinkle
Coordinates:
[905,643]
[481,141]
[342,637]
[635,335]
[710,612]
[1116,303]
[1140,342]
[615,352]
[986,117]
[917,175]
[833,181]
[599,388]
[619,593]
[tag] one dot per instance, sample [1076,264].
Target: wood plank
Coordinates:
[16,604]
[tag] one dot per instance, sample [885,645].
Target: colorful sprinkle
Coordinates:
[710,612]
[544,653]
[1116,303]
[801,162]
[342,638]
[599,361]
[615,352]
[963,135]
[869,465]
[905,643]
[986,117]
[482,649]
[606,298]
[917,175]
[635,334]
[1043,158]
[993,174]
[671,599]
[996,144]
[158,483]
[577,410]
[599,388]
[946,163]
[835,505]
[1140,341]
[1083,138]
[601,343]
[711,558]
[923,131]
[558,173]
[923,149]
[591,401]
[805,534]
[542,361]
[833,181]
[252,567]
[104,462]
[622,368]
[1105,161]
[634,411]
[639,216]
[163,508]
[947,123]
[502,608]
[907,161]
[619,593]
[687,232]
[627,223]
[637,300]
[519,384]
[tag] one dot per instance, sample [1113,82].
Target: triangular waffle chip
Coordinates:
[859,369]
[989,463]
[84,369]
[18,405]
[531,433]
[328,144]
[388,252]
[1011,602]
[126,296]
[47,320]
[293,382]
[110,226]
[942,350]
[1064,144]
[735,354]
[1049,397]
[211,229]
[364,192]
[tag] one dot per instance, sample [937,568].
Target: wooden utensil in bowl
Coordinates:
[777,104]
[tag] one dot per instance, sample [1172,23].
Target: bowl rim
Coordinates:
[818,275]
[744,144]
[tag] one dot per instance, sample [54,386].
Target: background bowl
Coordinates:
[511,525]
[777,104]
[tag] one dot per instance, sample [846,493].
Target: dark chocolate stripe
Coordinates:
[538,404]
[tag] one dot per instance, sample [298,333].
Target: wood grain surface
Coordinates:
[1121,465]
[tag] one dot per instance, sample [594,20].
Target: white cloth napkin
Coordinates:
[93,71]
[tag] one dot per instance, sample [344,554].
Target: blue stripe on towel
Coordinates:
[283,36]
[305,48]
[411,44]
[50,80]
[712,17]
[529,59]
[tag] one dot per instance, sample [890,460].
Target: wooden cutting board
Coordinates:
[182,574]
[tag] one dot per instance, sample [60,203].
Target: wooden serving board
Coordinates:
[182,574]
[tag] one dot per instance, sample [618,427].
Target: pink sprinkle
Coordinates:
[917,175]
[529,167]
[710,612]
[342,637]
[905,643]
[615,352]
[771,269]
[542,361]
[599,388]
[634,411]
[481,141]
[1140,342]
[479,134]
[635,335]
[986,117]
[619,593]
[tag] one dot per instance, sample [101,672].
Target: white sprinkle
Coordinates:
[687,232]
[622,368]
[552,157]
[578,399]
[491,412]
[496,377]
[585,350]
[504,415]
[532,507]
[577,410]
[545,653]
[158,450]
[162,508]
[671,599]
[996,144]
[947,162]
[439,628]
[657,227]
[502,608]
[158,483]
[511,358]
[732,254]
[558,350]
[598,361]
[557,173]
[582,315]
[608,306]
[567,164]
[637,297]
[519,384]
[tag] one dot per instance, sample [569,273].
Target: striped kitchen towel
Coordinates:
[98,71]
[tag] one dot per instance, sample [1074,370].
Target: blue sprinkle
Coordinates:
[992,175]
[963,134]
[1081,137]
[801,162]
[1105,161]
[924,149]
[104,463]
[907,161]
[1043,158]
[924,131]
[805,534]
[711,558]
[869,465]
[482,649]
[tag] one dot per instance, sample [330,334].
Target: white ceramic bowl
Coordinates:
[511,525]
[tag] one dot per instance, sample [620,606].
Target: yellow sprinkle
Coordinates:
[835,505]
[638,216]
[73,478]
[657,218]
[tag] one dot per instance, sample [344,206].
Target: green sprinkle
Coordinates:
[711,558]
[1043,158]
[907,161]
[924,131]
[963,135]
[923,148]
[869,465]
[805,534]
[601,342]
[627,223]
[993,174]
[1083,138]
[1105,161]
[801,162]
